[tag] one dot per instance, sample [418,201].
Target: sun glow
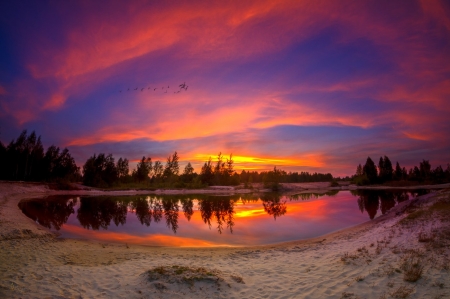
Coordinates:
[258,163]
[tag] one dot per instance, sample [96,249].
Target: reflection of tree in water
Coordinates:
[387,201]
[147,209]
[401,197]
[142,209]
[222,209]
[100,211]
[368,201]
[371,200]
[188,207]
[171,208]
[150,209]
[273,205]
[311,195]
[51,212]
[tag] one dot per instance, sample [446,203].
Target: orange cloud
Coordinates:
[55,102]
[100,43]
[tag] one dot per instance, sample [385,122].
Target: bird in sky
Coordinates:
[182,86]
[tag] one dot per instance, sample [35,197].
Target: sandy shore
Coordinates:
[377,259]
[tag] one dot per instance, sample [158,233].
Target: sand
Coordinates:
[366,261]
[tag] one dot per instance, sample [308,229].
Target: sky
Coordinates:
[312,86]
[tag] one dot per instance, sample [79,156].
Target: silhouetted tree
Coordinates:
[386,170]
[143,169]
[123,170]
[188,173]
[370,170]
[272,179]
[425,170]
[398,174]
[206,173]
[230,162]
[3,165]
[158,170]
[172,167]
[438,175]
[359,170]
[24,159]
[100,171]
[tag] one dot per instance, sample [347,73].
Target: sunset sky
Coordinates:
[301,85]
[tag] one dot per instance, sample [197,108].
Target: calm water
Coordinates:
[205,220]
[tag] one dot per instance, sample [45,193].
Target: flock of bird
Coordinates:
[181,87]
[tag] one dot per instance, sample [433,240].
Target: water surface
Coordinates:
[206,220]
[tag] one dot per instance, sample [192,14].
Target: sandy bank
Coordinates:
[367,261]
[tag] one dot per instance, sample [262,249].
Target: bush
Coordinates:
[334,183]
[361,180]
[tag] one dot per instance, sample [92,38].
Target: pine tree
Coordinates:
[143,169]
[388,170]
[359,170]
[206,173]
[370,170]
[398,172]
[188,170]
[122,168]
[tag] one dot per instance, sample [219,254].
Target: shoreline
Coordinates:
[288,188]
[33,261]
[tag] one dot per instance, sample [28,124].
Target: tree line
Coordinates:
[24,159]
[102,171]
[386,173]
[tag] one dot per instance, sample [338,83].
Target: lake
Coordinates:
[207,220]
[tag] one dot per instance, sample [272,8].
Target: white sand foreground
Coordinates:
[377,259]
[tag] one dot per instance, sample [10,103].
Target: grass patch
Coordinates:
[414,216]
[238,279]
[347,257]
[183,274]
[425,237]
[412,268]
[402,292]
[440,209]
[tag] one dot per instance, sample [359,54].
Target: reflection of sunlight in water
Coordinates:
[206,220]
[250,213]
